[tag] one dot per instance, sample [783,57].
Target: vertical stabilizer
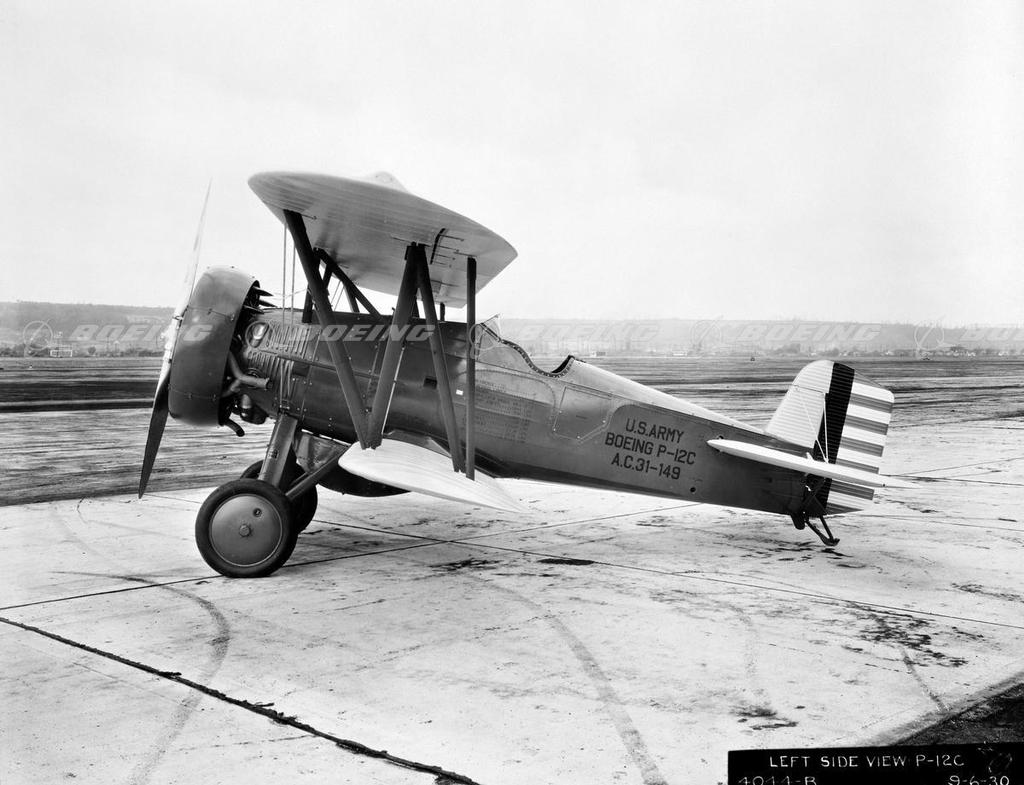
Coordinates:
[798,418]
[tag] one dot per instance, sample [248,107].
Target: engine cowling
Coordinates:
[222,302]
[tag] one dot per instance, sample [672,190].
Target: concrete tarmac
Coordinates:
[602,638]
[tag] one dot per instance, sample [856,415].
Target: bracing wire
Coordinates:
[284,288]
[338,288]
[291,316]
[284,268]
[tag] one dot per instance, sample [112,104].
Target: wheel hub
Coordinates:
[245,530]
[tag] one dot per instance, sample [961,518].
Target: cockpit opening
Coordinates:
[492,349]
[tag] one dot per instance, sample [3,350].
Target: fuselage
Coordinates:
[576,424]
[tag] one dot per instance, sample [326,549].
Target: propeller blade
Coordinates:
[190,275]
[157,421]
[158,417]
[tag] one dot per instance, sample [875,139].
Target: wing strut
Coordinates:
[417,256]
[470,366]
[393,353]
[324,314]
[307,306]
[369,424]
[354,293]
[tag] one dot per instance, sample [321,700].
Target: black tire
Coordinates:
[245,529]
[303,508]
[252,472]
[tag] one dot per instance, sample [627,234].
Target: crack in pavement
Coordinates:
[256,708]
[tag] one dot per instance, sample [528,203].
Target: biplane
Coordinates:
[370,404]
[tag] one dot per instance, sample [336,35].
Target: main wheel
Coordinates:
[245,529]
[303,508]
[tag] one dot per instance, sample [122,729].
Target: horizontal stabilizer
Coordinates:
[785,460]
[420,469]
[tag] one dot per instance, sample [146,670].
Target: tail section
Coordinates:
[841,417]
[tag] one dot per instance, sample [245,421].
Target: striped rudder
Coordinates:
[841,417]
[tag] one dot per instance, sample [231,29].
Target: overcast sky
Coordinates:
[824,160]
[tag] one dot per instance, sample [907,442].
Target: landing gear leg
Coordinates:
[280,469]
[279,449]
[304,507]
[247,528]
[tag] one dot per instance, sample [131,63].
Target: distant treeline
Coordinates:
[65,317]
[39,328]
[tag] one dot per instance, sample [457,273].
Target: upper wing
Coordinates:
[366,226]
